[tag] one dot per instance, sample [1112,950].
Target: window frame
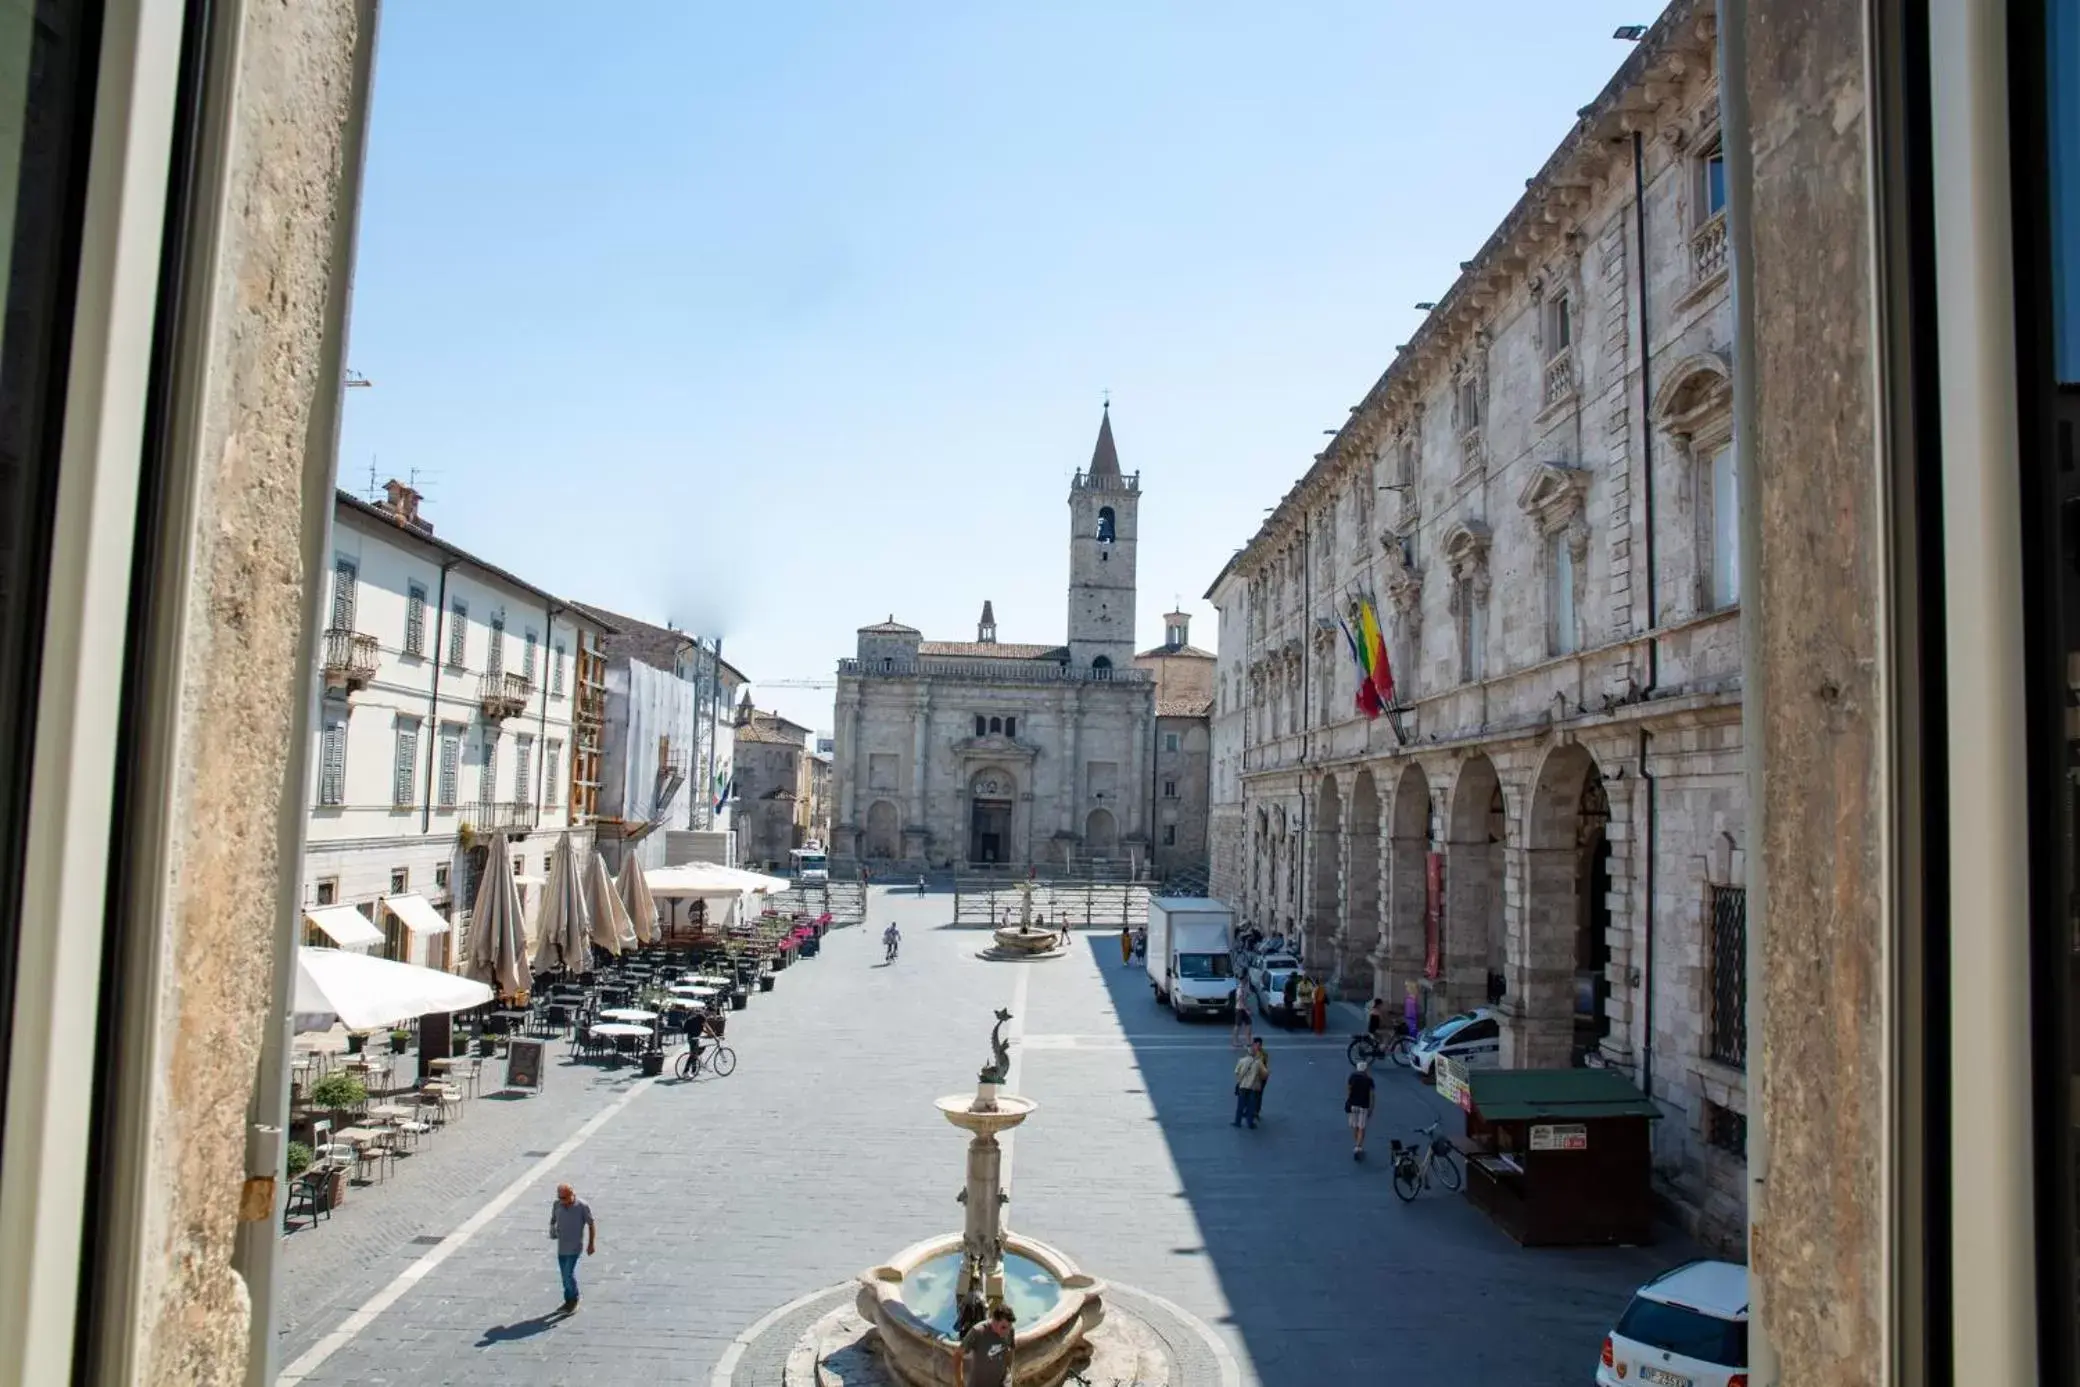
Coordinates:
[458,634]
[404,765]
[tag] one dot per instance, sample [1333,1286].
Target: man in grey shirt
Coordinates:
[983,1356]
[570,1223]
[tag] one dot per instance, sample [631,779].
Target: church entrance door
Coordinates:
[989,837]
[989,817]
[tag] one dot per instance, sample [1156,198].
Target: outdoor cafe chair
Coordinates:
[303,1198]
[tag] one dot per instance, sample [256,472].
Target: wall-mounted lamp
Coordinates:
[1630,33]
[1425,306]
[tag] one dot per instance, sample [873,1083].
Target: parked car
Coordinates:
[1685,1328]
[1267,978]
[1474,1038]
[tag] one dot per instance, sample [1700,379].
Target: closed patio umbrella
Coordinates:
[497,948]
[563,934]
[636,897]
[612,930]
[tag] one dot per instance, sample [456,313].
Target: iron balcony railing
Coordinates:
[503,816]
[350,659]
[991,671]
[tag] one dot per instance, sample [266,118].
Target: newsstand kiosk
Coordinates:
[1558,1157]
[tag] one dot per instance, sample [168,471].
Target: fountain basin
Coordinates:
[1066,1305]
[1008,1111]
[1024,939]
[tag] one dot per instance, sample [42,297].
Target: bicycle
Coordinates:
[1415,1165]
[717,1059]
[1366,1049]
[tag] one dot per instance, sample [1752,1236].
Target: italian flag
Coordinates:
[1372,647]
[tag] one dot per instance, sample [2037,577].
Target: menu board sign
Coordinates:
[1560,1136]
[524,1064]
[1451,1082]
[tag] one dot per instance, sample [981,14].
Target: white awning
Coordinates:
[417,912]
[366,992]
[344,925]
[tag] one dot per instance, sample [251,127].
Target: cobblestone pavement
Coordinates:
[724,1200]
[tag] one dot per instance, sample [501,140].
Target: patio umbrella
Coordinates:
[635,895]
[563,936]
[366,992]
[496,947]
[612,930]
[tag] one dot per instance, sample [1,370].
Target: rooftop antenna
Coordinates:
[356,381]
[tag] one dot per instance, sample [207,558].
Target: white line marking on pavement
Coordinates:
[1018,1033]
[315,1356]
[726,1366]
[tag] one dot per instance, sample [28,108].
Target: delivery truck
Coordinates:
[1189,966]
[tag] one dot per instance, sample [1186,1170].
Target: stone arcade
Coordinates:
[989,753]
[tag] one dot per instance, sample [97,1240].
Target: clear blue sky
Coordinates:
[773,320]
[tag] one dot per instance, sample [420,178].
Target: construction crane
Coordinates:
[796,683]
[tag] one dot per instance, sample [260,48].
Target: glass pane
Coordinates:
[1562,577]
[1726,545]
[1715,185]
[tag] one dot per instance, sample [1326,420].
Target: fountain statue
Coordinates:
[928,1295]
[1025,939]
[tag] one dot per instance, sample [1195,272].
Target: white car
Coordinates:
[1268,980]
[1474,1038]
[1685,1328]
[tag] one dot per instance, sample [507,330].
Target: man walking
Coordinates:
[1357,1106]
[1250,1072]
[570,1223]
[983,1356]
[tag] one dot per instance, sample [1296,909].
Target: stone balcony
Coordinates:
[350,660]
[1708,248]
[503,816]
[503,696]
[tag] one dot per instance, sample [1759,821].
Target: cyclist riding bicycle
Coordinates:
[890,938]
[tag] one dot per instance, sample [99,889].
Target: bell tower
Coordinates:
[1102,527]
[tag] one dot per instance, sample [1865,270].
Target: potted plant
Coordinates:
[653,1063]
[357,1041]
[299,1159]
[399,1040]
[338,1092]
[487,1045]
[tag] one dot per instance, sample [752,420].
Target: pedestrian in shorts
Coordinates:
[1240,1036]
[1357,1106]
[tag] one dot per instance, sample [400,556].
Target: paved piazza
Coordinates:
[724,1201]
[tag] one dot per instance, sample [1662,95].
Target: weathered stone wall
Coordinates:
[243,673]
[1818,1247]
[911,743]
[1182,815]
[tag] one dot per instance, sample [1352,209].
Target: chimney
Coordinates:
[402,502]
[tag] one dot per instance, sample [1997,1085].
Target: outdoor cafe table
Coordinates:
[631,1014]
[618,1031]
[695,994]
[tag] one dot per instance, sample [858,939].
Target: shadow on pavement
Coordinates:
[521,1329]
[1331,1277]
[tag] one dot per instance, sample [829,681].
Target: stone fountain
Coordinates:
[1026,940]
[926,1296]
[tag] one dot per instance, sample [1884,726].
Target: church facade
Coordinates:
[990,753]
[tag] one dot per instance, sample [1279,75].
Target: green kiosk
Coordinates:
[1558,1157]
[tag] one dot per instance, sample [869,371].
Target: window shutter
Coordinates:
[332,774]
[527,658]
[407,763]
[344,577]
[458,637]
[551,767]
[415,620]
[451,760]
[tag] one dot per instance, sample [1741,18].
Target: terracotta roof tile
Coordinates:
[1191,707]
[992,650]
